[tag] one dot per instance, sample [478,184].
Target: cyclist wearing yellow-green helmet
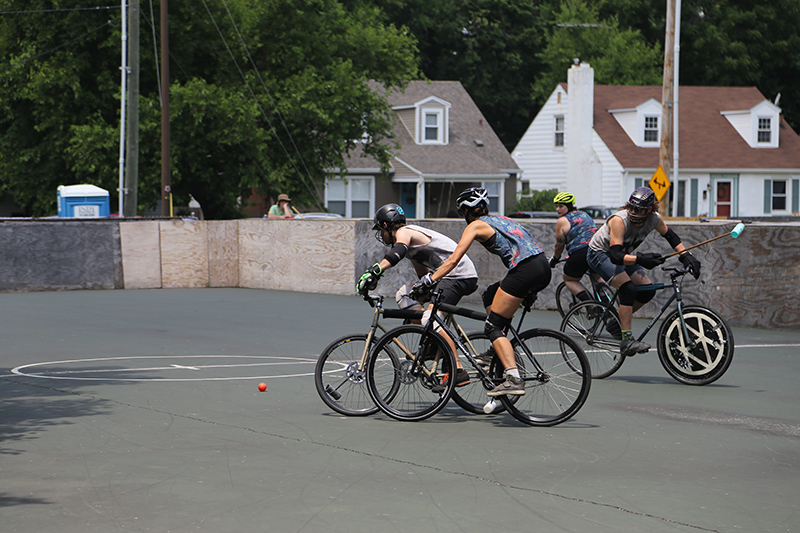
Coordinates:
[574,230]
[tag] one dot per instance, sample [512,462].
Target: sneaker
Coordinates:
[630,347]
[512,386]
[485,359]
[462,379]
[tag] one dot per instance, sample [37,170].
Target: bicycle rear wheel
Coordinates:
[339,381]
[557,378]
[597,331]
[408,373]
[473,397]
[702,358]
[565,300]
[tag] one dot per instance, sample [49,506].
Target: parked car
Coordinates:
[533,214]
[599,211]
[315,216]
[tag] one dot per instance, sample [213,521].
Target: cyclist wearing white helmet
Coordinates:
[574,230]
[427,250]
[611,254]
[528,271]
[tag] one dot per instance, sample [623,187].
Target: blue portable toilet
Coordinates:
[83,201]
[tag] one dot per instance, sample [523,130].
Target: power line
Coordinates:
[98,8]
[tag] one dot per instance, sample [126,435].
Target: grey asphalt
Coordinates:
[139,411]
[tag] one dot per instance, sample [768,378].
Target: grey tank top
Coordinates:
[633,237]
[433,254]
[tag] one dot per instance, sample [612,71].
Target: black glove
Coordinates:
[369,279]
[649,259]
[554,261]
[690,261]
[423,287]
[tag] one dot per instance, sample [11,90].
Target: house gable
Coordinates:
[758,126]
[642,123]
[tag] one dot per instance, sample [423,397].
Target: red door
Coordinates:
[724,198]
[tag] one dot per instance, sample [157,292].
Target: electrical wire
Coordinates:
[59,10]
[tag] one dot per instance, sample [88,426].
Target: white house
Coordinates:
[737,155]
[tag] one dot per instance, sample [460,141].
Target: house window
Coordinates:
[351,198]
[765,130]
[559,132]
[681,204]
[493,191]
[779,195]
[432,126]
[650,129]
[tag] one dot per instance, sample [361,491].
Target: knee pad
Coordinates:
[488,294]
[644,296]
[495,325]
[404,299]
[627,293]
[426,316]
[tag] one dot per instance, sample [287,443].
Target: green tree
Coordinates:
[264,93]
[618,56]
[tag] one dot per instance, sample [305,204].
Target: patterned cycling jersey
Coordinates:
[510,241]
[581,230]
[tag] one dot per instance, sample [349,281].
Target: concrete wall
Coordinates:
[751,281]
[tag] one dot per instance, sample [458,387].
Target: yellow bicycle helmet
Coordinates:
[566,198]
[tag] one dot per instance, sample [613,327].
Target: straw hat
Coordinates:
[284,198]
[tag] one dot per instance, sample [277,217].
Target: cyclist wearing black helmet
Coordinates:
[574,230]
[427,250]
[528,271]
[611,254]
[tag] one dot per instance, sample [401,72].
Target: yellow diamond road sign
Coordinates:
[659,183]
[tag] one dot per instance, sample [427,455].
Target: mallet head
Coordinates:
[737,230]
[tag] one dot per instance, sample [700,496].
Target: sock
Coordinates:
[627,334]
[513,372]
[583,296]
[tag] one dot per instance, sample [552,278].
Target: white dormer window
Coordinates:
[432,126]
[651,129]
[764,130]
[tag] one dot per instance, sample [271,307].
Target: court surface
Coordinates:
[139,411]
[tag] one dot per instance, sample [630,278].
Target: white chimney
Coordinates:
[584,174]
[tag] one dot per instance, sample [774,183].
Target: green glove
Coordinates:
[369,279]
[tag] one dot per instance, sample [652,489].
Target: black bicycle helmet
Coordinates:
[470,198]
[388,216]
[640,204]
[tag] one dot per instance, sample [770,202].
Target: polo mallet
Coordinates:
[299,215]
[735,232]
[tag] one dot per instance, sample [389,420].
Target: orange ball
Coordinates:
[262,387]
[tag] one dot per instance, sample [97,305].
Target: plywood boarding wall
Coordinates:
[297,255]
[223,253]
[140,243]
[184,254]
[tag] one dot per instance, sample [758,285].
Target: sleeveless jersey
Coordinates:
[633,237]
[433,254]
[581,230]
[510,241]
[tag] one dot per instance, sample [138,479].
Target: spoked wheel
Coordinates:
[473,397]
[339,381]
[417,367]
[597,331]
[565,300]
[702,358]
[556,375]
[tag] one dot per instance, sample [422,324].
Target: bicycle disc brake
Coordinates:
[353,373]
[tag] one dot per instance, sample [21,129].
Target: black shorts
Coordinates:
[576,265]
[454,289]
[531,275]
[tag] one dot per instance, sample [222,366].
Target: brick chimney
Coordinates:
[584,172]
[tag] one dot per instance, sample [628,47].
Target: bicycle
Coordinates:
[339,372]
[565,300]
[409,368]
[695,344]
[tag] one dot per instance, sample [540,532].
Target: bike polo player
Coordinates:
[528,271]
[427,250]
[611,254]
[574,230]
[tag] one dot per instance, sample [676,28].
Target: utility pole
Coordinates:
[666,99]
[132,137]
[165,146]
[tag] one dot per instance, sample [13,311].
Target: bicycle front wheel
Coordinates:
[596,329]
[705,355]
[557,378]
[340,381]
[408,373]
[565,300]
[472,397]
